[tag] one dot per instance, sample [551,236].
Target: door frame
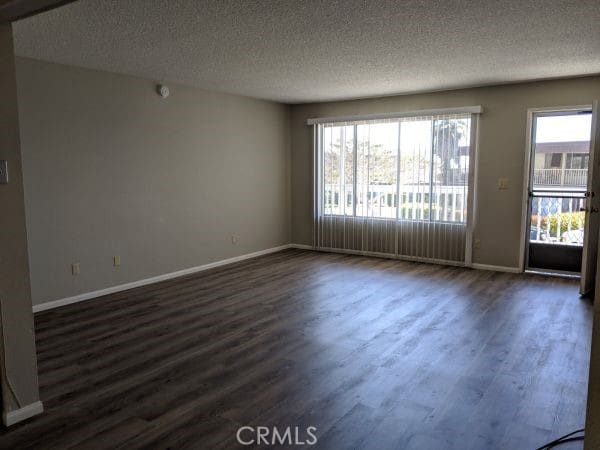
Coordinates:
[528,169]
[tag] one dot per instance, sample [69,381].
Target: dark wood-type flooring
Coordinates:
[375,353]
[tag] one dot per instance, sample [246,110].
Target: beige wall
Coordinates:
[18,364]
[502,138]
[110,168]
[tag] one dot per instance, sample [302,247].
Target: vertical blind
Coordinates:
[395,185]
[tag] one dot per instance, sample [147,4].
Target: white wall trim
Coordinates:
[472,191]
[167,276]
[302,246]
[555,273]
[442,262]
[525,198]
[527,170]
[408,258]
[12,417]
[393,115]
[561,109]
[496,268]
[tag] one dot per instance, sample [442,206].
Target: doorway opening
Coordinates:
[558,190]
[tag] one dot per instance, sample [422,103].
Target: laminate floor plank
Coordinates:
[374,353]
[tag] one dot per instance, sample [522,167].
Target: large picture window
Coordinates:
[409,169]
[389,183]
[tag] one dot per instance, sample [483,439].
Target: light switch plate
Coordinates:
[3,172]
[503,184]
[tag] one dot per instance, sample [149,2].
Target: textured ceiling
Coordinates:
[306,50]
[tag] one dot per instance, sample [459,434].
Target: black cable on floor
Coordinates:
[576,438]
[561,440]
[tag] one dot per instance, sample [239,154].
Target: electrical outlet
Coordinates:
[75,269]
[235,239]
[477,243]
[116,261]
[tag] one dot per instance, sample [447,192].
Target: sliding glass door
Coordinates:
[396,186]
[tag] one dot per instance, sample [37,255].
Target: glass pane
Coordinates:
[450,169]
[557,220]
[376,172]
[561,151]
[415,168]
[338,151]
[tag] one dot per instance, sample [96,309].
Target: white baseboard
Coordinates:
[496,268]
[442,262]
[408,258]
[167,276]
[302,246]
[555,273]
[11,417]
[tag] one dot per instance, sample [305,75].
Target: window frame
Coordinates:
[321,124]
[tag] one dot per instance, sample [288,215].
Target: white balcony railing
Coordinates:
[446,203]
[560,177]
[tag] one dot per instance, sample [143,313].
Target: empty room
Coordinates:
[300,224]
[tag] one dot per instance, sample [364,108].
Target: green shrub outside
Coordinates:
[575,218]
